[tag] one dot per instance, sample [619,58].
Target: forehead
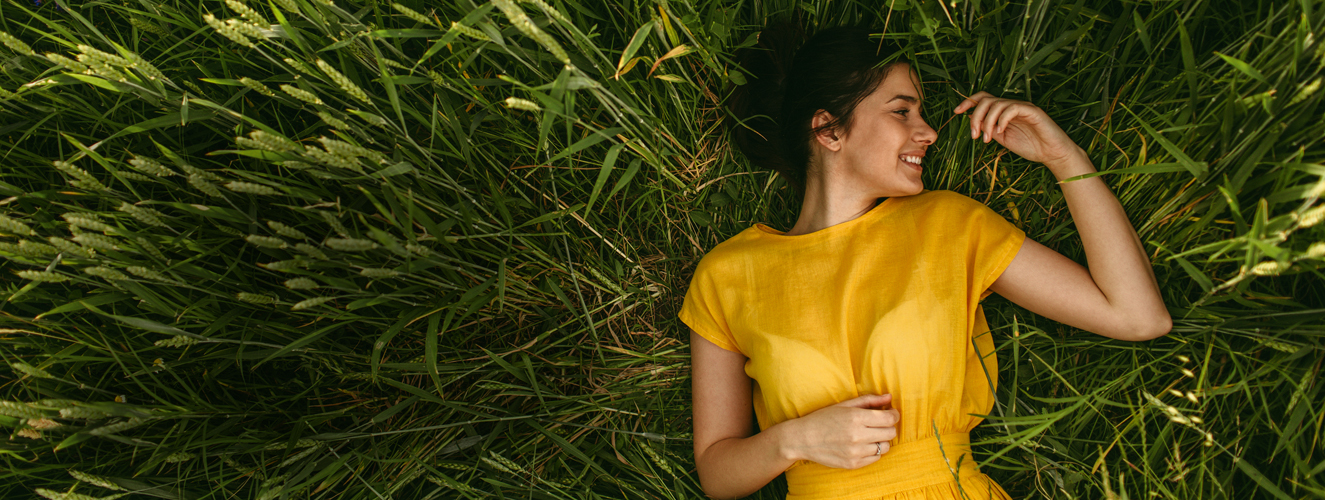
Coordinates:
[901,80]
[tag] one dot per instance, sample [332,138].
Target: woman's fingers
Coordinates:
[991,117]
[970,102]
[868,401]
[863,459]
[869,449]
[879,435]
[884,445]
[978,115]
[1007,117]
[883,418]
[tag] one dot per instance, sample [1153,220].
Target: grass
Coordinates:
[359,249]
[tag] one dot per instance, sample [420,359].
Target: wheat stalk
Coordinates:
[378,273]
[286,231]
[300,284]
[228,31]
[179,456]
[470,32]
[246,12]
[412,14]
[67,63]
[202,184]
[341,81]
[255,298]
[143,214]
[94,479]
[15,44]
[301,94]
[12,226]
[96,241]
[105,273]
[86,221]
[30,370]
[265,241]
[177,341]
[350,244]
[522,22]
[71,248]
[19,410]
[82,178]
[524,104]
[313,302]
[150,166]
[332,120]
[82,413]
[250,188]
[549,10]
[284,265]
[311,250]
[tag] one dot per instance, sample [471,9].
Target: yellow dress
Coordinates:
[888,302]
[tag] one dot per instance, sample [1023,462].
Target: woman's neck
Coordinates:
[828,204]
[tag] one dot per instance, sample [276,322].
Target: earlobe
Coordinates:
[826,138]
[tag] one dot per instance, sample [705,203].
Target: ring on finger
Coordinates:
[878,449]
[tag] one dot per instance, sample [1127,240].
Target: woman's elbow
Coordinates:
[719,491]
[711,491]
[1155,328]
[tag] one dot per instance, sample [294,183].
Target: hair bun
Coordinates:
[757,105]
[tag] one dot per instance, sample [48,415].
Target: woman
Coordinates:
[857,336]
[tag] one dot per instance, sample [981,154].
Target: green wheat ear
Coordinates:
[426,235]
[15,44]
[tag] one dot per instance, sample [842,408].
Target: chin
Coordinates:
[914,189]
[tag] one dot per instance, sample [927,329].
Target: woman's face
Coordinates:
[883,151]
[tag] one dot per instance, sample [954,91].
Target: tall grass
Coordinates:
[362,249]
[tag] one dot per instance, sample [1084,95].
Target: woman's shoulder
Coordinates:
[730,252]
[943,203]
[944,197]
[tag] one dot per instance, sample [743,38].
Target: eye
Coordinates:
[902,112]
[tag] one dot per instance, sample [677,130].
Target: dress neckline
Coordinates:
[872,213]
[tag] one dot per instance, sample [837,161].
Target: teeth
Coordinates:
[913,159]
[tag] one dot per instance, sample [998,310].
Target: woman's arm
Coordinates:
[733,461]
[1118,297]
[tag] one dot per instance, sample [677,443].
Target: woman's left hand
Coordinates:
[1020,126]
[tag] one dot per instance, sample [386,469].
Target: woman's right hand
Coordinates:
[843,435]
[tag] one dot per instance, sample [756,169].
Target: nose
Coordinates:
[925,134]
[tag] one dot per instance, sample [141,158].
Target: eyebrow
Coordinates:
[904,97]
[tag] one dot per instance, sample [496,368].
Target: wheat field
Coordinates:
[368,249]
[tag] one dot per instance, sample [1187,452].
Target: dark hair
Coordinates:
[834,70]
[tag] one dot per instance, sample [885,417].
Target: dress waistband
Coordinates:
[915,464]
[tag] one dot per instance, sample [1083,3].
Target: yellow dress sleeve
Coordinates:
[703,309]
[996,243]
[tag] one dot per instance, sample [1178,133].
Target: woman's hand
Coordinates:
[843,435]
[1020,126]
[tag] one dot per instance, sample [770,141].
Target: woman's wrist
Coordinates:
[785,438]
[1075,163]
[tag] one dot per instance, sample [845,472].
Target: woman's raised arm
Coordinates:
[1118,296]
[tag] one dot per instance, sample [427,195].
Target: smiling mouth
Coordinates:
[912,161]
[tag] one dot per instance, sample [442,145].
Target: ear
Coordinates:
[827,138]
